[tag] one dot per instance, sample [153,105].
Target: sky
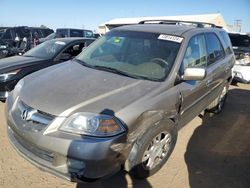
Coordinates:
[90,14]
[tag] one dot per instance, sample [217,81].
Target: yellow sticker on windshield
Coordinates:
[117,40]
[170,38]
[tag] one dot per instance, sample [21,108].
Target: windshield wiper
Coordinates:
[113,70]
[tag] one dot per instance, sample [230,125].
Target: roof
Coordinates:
[157,28]
[216,19]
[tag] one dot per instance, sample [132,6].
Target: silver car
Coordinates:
[121,102]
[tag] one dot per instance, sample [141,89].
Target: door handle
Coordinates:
[208,82]
[227,69]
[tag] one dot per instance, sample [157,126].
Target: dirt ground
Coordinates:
[210,152]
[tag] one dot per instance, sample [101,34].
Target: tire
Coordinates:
[218,104]
[147,147]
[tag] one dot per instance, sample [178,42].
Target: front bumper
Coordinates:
[72,157]
[241,73]
[3,95]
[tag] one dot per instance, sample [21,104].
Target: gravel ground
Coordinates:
[210,152]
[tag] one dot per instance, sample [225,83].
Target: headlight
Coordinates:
[93,125]
[8,75]
[3,47]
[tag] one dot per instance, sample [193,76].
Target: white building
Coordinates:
[216,19]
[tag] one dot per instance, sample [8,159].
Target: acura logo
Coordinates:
[27,114]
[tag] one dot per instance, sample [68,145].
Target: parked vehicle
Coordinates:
[12,38]
[52,52]
[241,46]
[97,35]
[121,101]
[70,32]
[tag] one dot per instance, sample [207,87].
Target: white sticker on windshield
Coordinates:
[60,42]
[170,38]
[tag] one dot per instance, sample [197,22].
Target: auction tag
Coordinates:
[170,38]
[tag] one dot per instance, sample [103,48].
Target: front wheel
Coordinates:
[152,150]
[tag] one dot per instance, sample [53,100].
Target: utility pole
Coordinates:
[237,25]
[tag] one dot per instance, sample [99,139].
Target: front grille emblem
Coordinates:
[27,114]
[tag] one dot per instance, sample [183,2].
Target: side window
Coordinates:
[7,34]
[61,33]
[76,33]
[195,55]
[227,41]
[74,49]
[214,48]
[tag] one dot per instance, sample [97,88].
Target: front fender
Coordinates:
[149,119]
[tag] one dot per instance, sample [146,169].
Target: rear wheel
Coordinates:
[218,104]
[152,150]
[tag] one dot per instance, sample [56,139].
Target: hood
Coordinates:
[17,61]
[70,87]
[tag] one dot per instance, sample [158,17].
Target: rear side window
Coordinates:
[88,34]
[61,33]
[195,55]
[227,41]
[76,33]
[214,48]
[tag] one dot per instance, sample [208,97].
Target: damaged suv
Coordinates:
[120,103]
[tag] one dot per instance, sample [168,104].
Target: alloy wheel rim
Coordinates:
[157,150]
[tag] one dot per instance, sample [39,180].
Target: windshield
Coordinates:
[46,50]
[136,54]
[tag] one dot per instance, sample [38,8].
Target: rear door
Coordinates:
[218,66]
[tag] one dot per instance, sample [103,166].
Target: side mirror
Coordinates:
[65,56]
[194,74]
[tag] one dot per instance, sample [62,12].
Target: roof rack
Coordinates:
[180,22]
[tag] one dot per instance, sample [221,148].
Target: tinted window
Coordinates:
[76,33]
[214,48]
[2,32]
[195,55]
[227,41]
[7,34]
[240,40]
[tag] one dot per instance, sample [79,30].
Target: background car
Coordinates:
[13,38]
[49,53]
[241,47]
[68,32]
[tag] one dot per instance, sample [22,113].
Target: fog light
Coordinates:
[75,164]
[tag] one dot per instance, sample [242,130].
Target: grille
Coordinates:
[30,119]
